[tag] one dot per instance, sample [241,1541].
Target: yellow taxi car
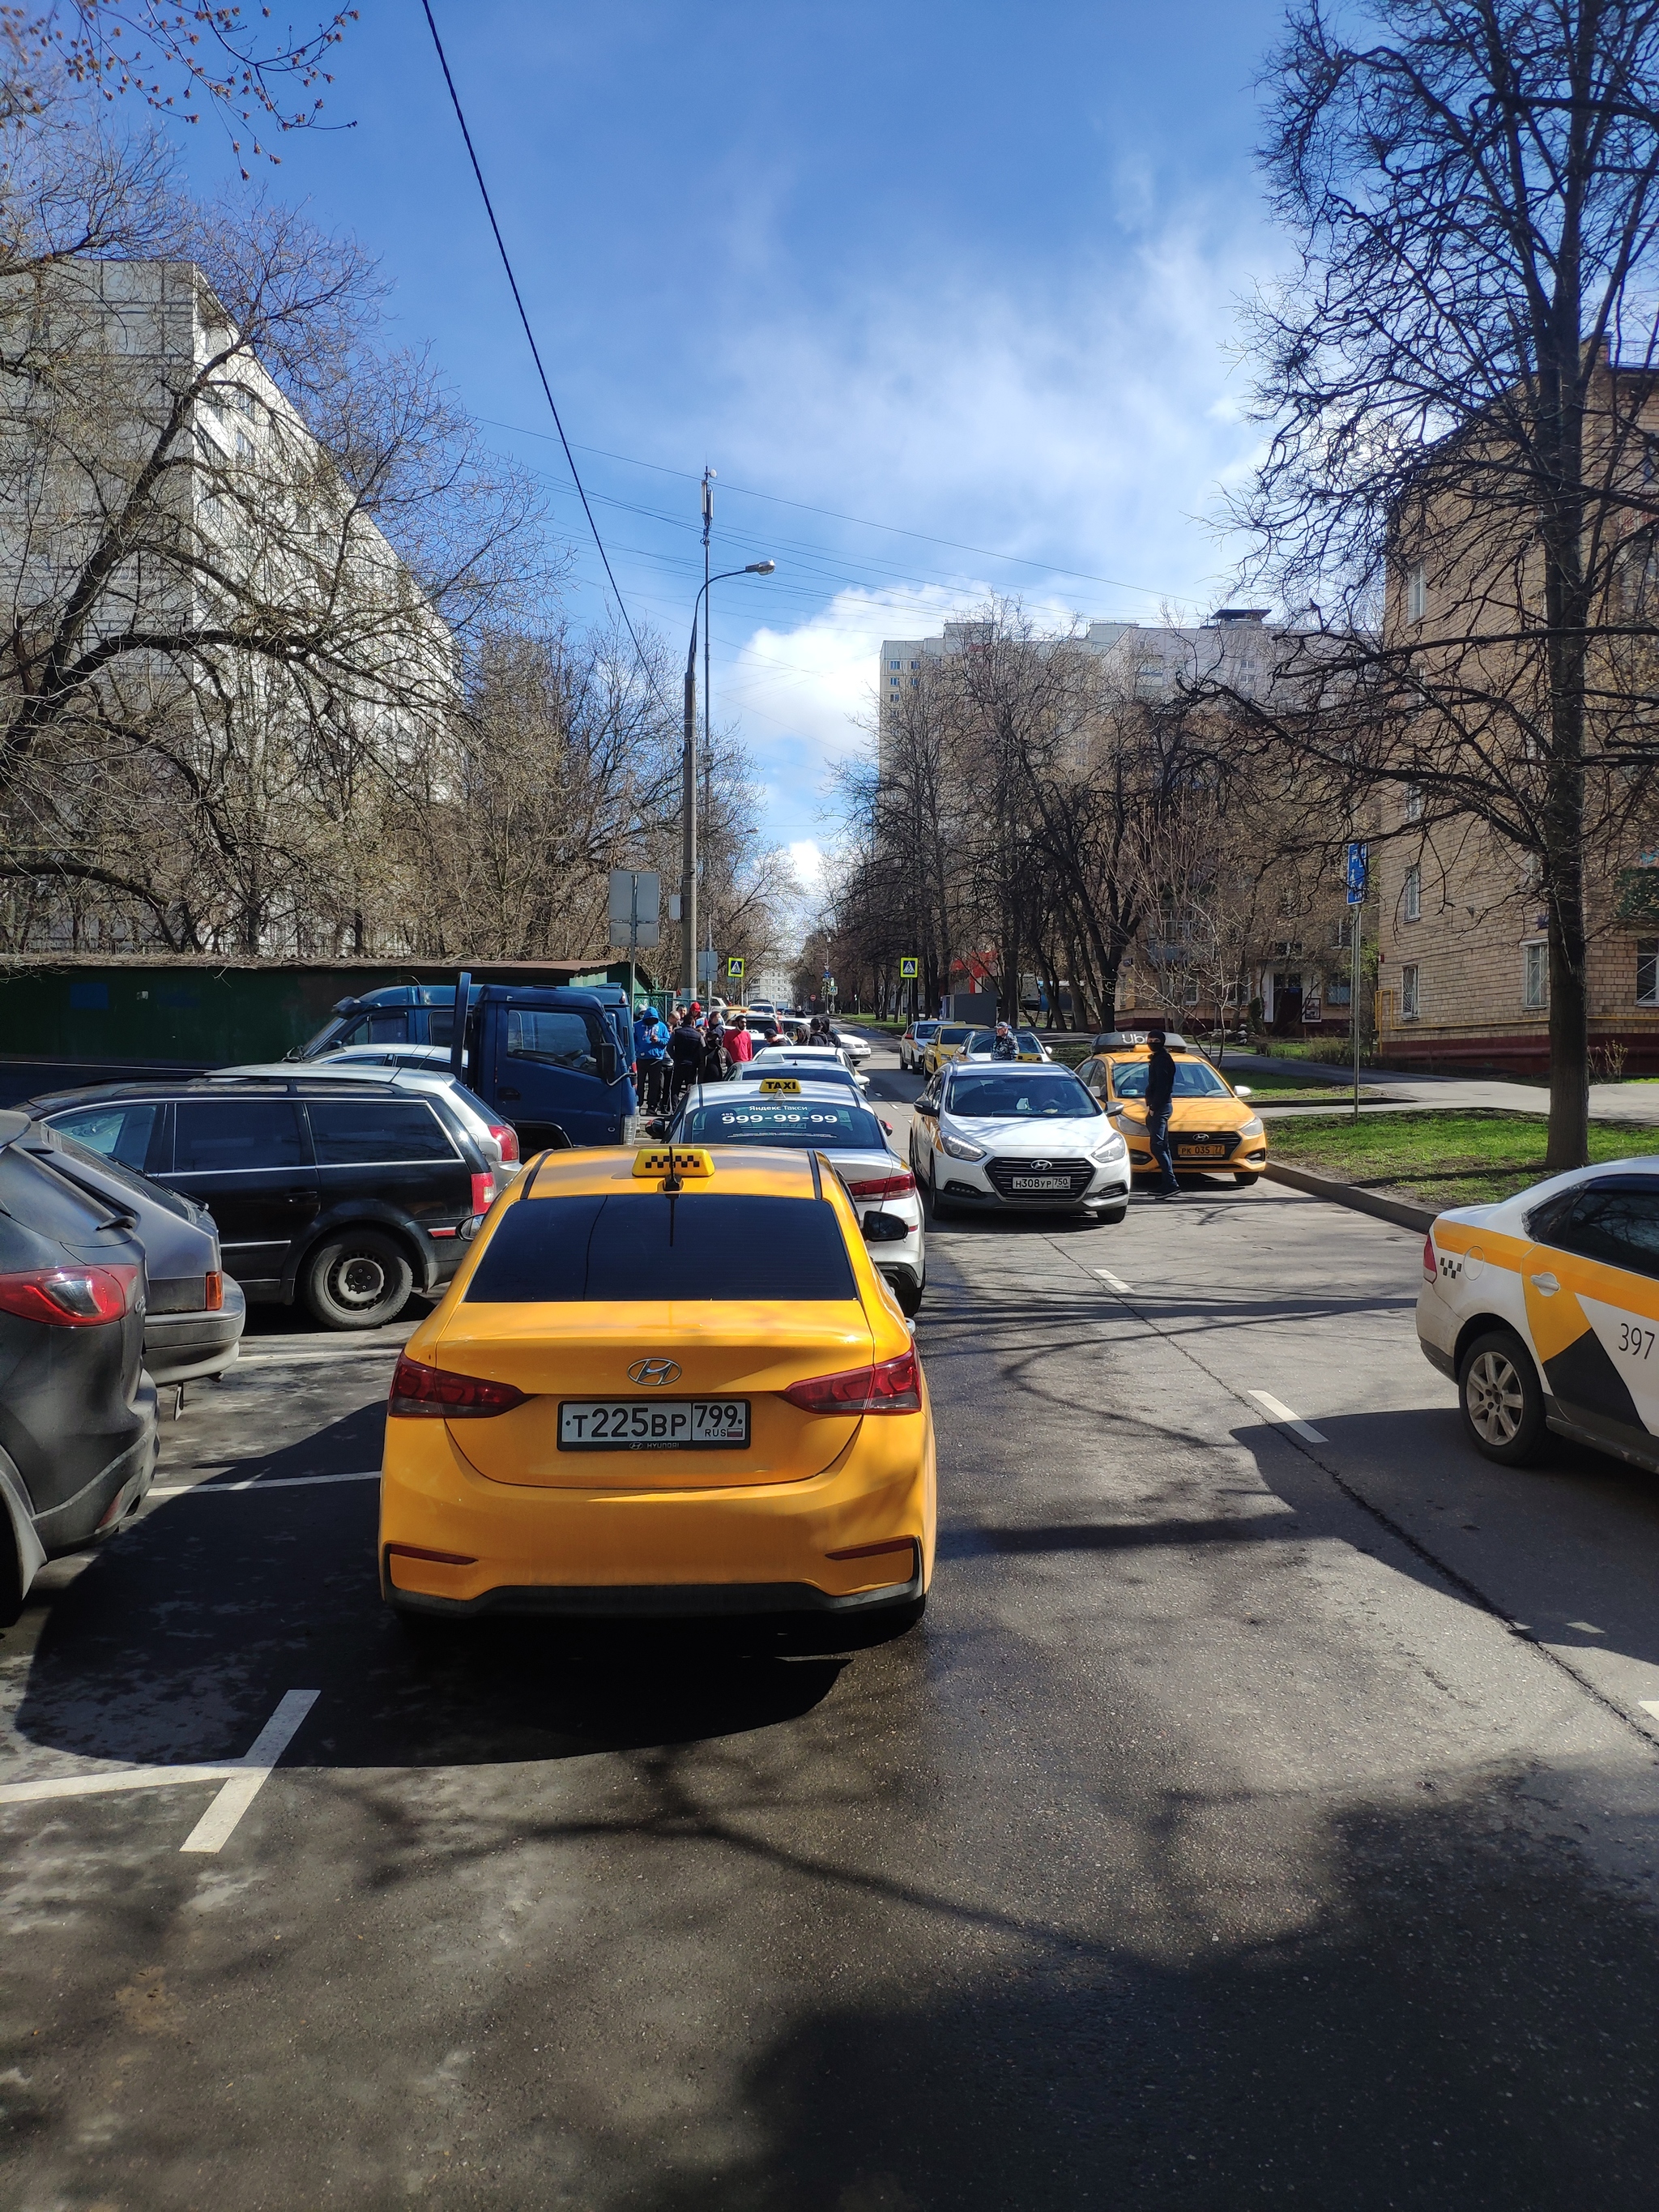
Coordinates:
[1212,1129]
[949,1039]
[662,1383]
[1544,1310]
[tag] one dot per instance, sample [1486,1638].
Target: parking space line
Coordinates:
[1283,1414]
[211,1489]
[218,1823]
[1113,1282]
[236,1774]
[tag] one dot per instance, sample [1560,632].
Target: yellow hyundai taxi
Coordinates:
[949,1039]
[1212,1129]
[662,1383]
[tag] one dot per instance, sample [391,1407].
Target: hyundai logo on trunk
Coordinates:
[652,1373]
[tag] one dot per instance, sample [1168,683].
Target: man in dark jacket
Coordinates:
[685,1053]
[1160,1091]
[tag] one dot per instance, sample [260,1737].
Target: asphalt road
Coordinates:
[1257,1817]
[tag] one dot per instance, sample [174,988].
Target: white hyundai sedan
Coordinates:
[988,1136]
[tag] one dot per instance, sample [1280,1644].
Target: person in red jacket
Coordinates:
[738,1042]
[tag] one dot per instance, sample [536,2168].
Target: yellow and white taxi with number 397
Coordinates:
[1545,1311]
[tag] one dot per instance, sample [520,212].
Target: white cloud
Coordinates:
[1086,418]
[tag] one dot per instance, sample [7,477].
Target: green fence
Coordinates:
[194,1013]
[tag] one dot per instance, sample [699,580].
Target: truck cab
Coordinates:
[547,1058]
[550,1060]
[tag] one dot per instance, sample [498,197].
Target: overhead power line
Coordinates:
[863,521]
[535,350]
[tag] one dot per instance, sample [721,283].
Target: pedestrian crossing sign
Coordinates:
[734,969]
[910,968]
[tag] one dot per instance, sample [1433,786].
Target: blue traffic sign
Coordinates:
[1356,875]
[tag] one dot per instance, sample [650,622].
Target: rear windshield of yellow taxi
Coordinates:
[953,1036]
[624,1247]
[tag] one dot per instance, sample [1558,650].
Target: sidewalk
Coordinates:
[1634,1102]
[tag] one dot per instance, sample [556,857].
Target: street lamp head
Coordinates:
[760,567]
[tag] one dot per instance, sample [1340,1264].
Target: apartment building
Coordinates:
[161,501]
[1463,980]
[1464,976]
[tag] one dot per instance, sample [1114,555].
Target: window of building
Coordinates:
[1413,802]
[1414,899]
[1417,593]
[895,664]
[1409,1007]
[1647,971]
[1535,974]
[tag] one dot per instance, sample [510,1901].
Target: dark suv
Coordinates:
[346,1198]
[77,1412]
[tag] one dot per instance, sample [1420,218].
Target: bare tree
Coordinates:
[1461,380]
[244,548]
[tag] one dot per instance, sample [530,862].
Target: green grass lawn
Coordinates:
[1439,1159]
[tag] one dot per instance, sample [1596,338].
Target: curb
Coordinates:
[1400,1211]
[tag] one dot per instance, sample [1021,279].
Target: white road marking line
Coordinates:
[1587,1628]
[1113,1282]
[1305,1429]
[267,1747]
[209,1488]
[218,1823]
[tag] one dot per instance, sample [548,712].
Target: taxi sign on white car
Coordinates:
[1545,1311]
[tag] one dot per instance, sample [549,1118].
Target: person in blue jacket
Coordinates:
[651,1052]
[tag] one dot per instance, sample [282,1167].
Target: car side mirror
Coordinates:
[922,1107]
[885,1125]
[1242,1090]
[885,1228]
[609,1068]
[470,1227]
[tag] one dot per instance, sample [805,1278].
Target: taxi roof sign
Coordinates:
[675,1162]
[789,1084]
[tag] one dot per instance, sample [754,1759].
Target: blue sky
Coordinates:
[963,273]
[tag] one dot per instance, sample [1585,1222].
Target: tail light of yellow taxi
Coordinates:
[420,1392]
[891,1386]
[1430,1264]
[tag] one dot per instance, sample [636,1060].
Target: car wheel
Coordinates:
[360,1279]
[1246,1178]
[1499,1398]
[908,1291]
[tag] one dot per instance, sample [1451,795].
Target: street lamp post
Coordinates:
[689,783]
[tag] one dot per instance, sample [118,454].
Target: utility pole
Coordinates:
[688,825]
[689,760]
[708,689]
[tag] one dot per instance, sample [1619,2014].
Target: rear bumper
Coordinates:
[178,1346]
[660,1600]
[99,1509]
[764,1548]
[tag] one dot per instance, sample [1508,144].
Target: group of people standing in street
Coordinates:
[694,1048]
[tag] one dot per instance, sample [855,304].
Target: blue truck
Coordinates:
[557,1061]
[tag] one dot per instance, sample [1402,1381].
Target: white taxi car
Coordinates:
[1545,1311]
[992,1137]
